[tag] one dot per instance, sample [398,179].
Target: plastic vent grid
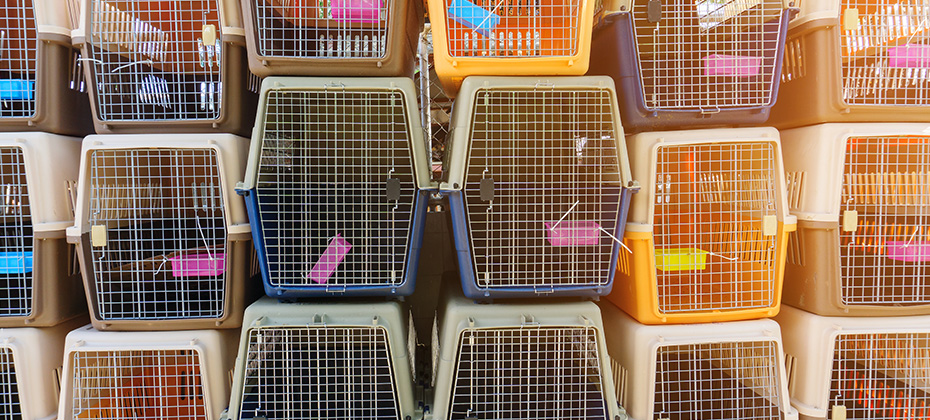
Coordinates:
[158,233]
[512,28]
[133,384]
[336,166]
[17,59]
[319,373]
[156,60]
[708,54]
[528,373]
[885,260]
[724,380]
[881,376]
[10,407]
[886,53]
[711,204]
[16,253]
[550,160]
[322,29]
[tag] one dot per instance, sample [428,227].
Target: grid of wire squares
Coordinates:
[548,155]
[435,105]
[724,380]
[10,407]
[512,28]
[886,259]
[133,384]
[881,376]
[319,373]
[336,163]
[322,29]
[17,59]
[156,60]
[16,245]
[707,54]
[528,373]
[710,204]
[886,57]
[160,212]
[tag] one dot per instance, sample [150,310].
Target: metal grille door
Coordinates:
[512,28]
[729,380]
[10,408]
[158,234]
[336,188]
[156,60]
[322,29]
[137,384]
[707,54]
[528,374]
[16,252]
[881,376]
[319,373]
[17,59]
[885,52]
[885,257]
[715,226]
[542,187]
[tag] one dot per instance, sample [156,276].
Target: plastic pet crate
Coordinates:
[857,368]
[163,240]
[861,193]
[333,186]
[732,370]
[39,285]
[146,375]
[180,66]
[855,61]
[329,37]
[686,63]
[325,361]
[510,38]
[538,184]
[521,362]
[706,237]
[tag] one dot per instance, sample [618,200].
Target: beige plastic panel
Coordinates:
[51,164]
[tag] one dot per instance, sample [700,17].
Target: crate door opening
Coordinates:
[158,245]
[18,61]
[17,254]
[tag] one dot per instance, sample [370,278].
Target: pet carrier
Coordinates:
[862,194]
[332,37]
[179,65]
[163,240]
[538,184]
[857,368]
[856,61]
[729,370]
[332,186]
[39,285]
[684,63]
[146,375]
[510,38]
[521,361]
[324,361]
[707,237]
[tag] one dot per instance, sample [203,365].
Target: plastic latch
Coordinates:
[98,236]
[393,189]
[850,220]
[654,12]
[769,225]
[838,412]
[487,189]
[851,20]
[209,35]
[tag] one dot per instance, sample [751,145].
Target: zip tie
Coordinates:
[163,262]
[129,65]
[724,257]
[552,229]
[615,239]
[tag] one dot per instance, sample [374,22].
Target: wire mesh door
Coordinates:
[542,187]
[319,373]
[885,52]
[322,29]
[435,105]
[885,258]
[156,60]
[336,188]
[17,59]
[881,376]
[133,384]
[16,243]
[715,226]
[10,407]
[726,380]
[528,373]
[707,54]
[158,234]
[512,28]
